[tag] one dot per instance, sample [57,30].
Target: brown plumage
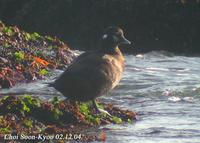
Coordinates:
[93,74]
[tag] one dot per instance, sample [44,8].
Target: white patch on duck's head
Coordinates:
[115,38]
[104,36]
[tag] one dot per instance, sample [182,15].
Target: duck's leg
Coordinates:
[99,109]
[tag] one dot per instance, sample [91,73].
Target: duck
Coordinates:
[95,73]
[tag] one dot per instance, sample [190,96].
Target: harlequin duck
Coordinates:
[94,74]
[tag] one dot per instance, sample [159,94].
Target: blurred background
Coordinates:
[171,25]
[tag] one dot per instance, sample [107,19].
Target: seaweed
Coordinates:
[32,116]
[25,57]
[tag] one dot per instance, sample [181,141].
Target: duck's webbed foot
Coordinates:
[99,110]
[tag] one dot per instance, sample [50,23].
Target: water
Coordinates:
[165,91]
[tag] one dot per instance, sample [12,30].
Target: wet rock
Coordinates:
[29,55]
[78,120]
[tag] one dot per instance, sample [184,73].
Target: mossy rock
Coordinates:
[29,115]
[25,57]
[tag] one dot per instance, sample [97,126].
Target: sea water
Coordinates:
[164,89]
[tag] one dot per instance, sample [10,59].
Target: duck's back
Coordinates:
[91,75]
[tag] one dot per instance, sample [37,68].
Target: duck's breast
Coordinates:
[115,68]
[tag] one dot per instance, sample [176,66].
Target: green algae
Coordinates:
[30,102]
[29,115]
[49,38]
[32,36]
[95,118]
[8,30]
[6,45]
[117,120]
[19,56]
[43,72]
[85,110]
[5,130]
[28,123]
[55,100]
[56,111]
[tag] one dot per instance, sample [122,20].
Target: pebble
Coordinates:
[188,99]
[167,92]
[139,56]
[174,99]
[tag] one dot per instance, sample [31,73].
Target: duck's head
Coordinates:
[114,36]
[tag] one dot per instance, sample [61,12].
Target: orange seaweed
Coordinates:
[41,61]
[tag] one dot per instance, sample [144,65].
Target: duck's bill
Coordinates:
[125,41]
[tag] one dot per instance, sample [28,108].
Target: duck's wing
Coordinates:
[83,63]
[84,75]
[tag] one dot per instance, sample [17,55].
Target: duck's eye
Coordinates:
[115,37]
